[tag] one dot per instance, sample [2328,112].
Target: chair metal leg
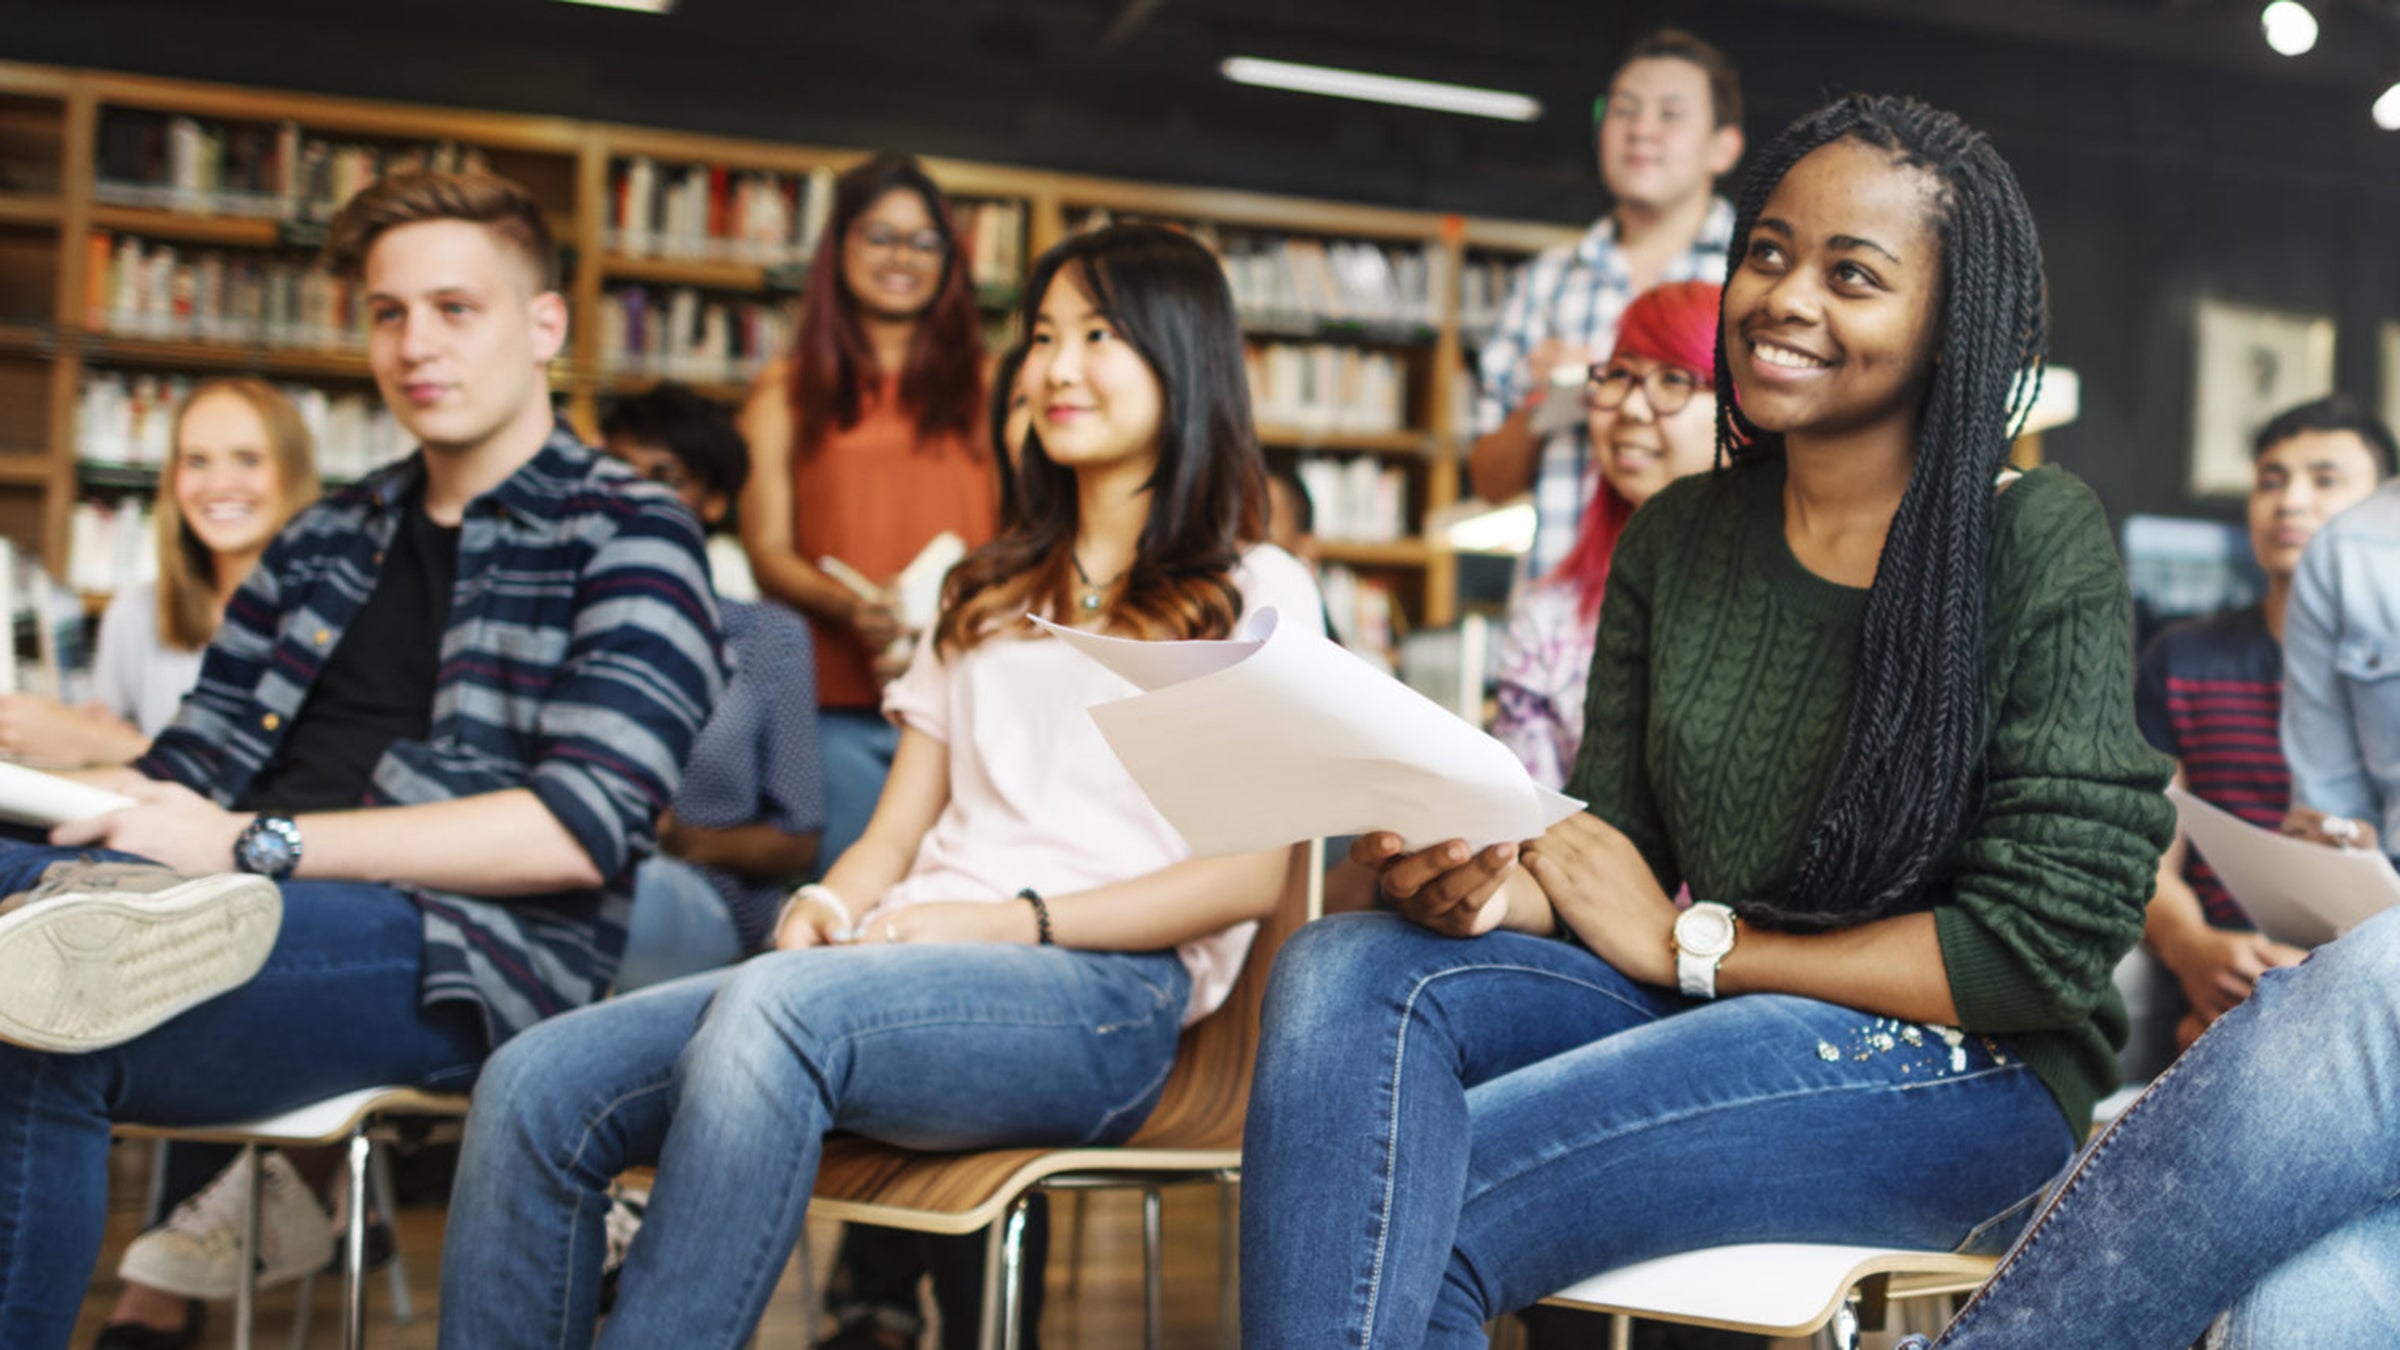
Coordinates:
[1229,1304]
[1074,1239]
[245,1293]
[808,1290]
[354,1244]
[1620,1332]
[1841,1333]
[395,1274]
[1003,1278]
[1154,1283]
[303,1305]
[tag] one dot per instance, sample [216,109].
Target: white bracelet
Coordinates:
[823,895]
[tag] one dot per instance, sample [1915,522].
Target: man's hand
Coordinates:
[2219,967]
[1448,888]
[169,823]
[952,921]
[2332,831]
[877,621]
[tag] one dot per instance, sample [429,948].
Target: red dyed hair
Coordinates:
[832,363]
[1675,325]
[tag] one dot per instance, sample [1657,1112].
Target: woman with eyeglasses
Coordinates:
[865,446]
[1652,410]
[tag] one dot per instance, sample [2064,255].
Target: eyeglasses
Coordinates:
[925,243]
[1667,388]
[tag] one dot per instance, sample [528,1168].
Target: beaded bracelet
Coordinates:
[1041,913]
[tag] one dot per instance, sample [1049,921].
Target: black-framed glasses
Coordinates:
[1668,389]
[925,243]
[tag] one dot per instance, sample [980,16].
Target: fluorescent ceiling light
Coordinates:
[2387,109]
[644,6]
[1457,98]
[2291,30]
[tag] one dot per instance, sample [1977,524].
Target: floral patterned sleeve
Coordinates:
[1545,659]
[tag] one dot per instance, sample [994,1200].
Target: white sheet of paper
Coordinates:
[920,583]
[2296,892]
[1277,735]
[31,797]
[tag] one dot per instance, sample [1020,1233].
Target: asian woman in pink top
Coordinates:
[1007,955]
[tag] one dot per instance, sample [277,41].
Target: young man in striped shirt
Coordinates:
[2209,691]
[441,717]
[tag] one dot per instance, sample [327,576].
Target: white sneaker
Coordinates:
[197,1252]
[85,970]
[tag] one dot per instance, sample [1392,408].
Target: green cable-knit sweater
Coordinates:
[1720,688]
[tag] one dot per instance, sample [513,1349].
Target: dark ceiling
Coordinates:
[1129,87]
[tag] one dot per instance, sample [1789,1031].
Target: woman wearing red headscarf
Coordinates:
[1652,413]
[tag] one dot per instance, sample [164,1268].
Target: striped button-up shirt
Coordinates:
[1576,294]
[583,653]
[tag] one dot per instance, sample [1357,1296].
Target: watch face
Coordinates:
[1705,930]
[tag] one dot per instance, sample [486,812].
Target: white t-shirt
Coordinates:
[1037,799]
[137,676]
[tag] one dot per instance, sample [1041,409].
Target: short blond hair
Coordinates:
[498,204]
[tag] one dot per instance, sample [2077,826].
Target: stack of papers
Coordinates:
[1277,736]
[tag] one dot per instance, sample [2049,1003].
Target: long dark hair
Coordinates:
[1005,370]
[1910,781]
[1166,297]
[832,362]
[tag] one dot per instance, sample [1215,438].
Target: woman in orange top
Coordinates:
[865,446]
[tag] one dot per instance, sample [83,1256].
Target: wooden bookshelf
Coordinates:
[52,200]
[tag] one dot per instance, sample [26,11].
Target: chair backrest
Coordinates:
[1208,1091]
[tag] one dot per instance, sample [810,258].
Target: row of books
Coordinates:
[1358,500]
[1325,386]
[1301,284]
[1482,290]
[701,212]
[677,333]
[149,288]
[1362,611]
[275,171]
[126,420]
[109,545]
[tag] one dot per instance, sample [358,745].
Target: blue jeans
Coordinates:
[857,746]
[680,926]
[334,1009]
[2261,1171]
[729,1081]
[1442,1131]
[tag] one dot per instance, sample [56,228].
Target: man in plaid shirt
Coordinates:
[1668,128]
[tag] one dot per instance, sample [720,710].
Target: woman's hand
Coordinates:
[1600,886]
[807,922]
[877,622]
[49,734]
[952,921]
[1448,888]
[2332,831]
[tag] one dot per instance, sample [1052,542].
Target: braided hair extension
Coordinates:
[1909,780]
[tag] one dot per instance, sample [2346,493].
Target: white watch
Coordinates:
[1704,936]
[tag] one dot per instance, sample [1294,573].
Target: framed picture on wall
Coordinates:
[2390,372]
[2252,364]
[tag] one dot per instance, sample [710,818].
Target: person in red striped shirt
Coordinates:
[2209,691]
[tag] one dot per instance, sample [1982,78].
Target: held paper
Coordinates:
[2297,892]
[1278,735]
[31,797]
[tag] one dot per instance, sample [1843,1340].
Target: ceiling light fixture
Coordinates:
[2289,27]
[2387,109]
[1457,98]
[640,6]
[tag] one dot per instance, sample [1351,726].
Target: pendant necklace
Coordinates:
[1090,600]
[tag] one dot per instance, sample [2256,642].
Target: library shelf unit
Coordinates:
[214,192]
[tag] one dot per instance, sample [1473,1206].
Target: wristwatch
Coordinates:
[268,846]
[1703,937]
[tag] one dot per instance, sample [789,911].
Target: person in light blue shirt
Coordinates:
[2252,1194]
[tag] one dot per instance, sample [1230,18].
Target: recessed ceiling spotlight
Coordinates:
[1407,93]
[2387,109]
[2289,27]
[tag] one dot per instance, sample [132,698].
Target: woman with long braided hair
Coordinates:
[1867,695]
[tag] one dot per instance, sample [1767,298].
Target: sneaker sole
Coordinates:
[83,973]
